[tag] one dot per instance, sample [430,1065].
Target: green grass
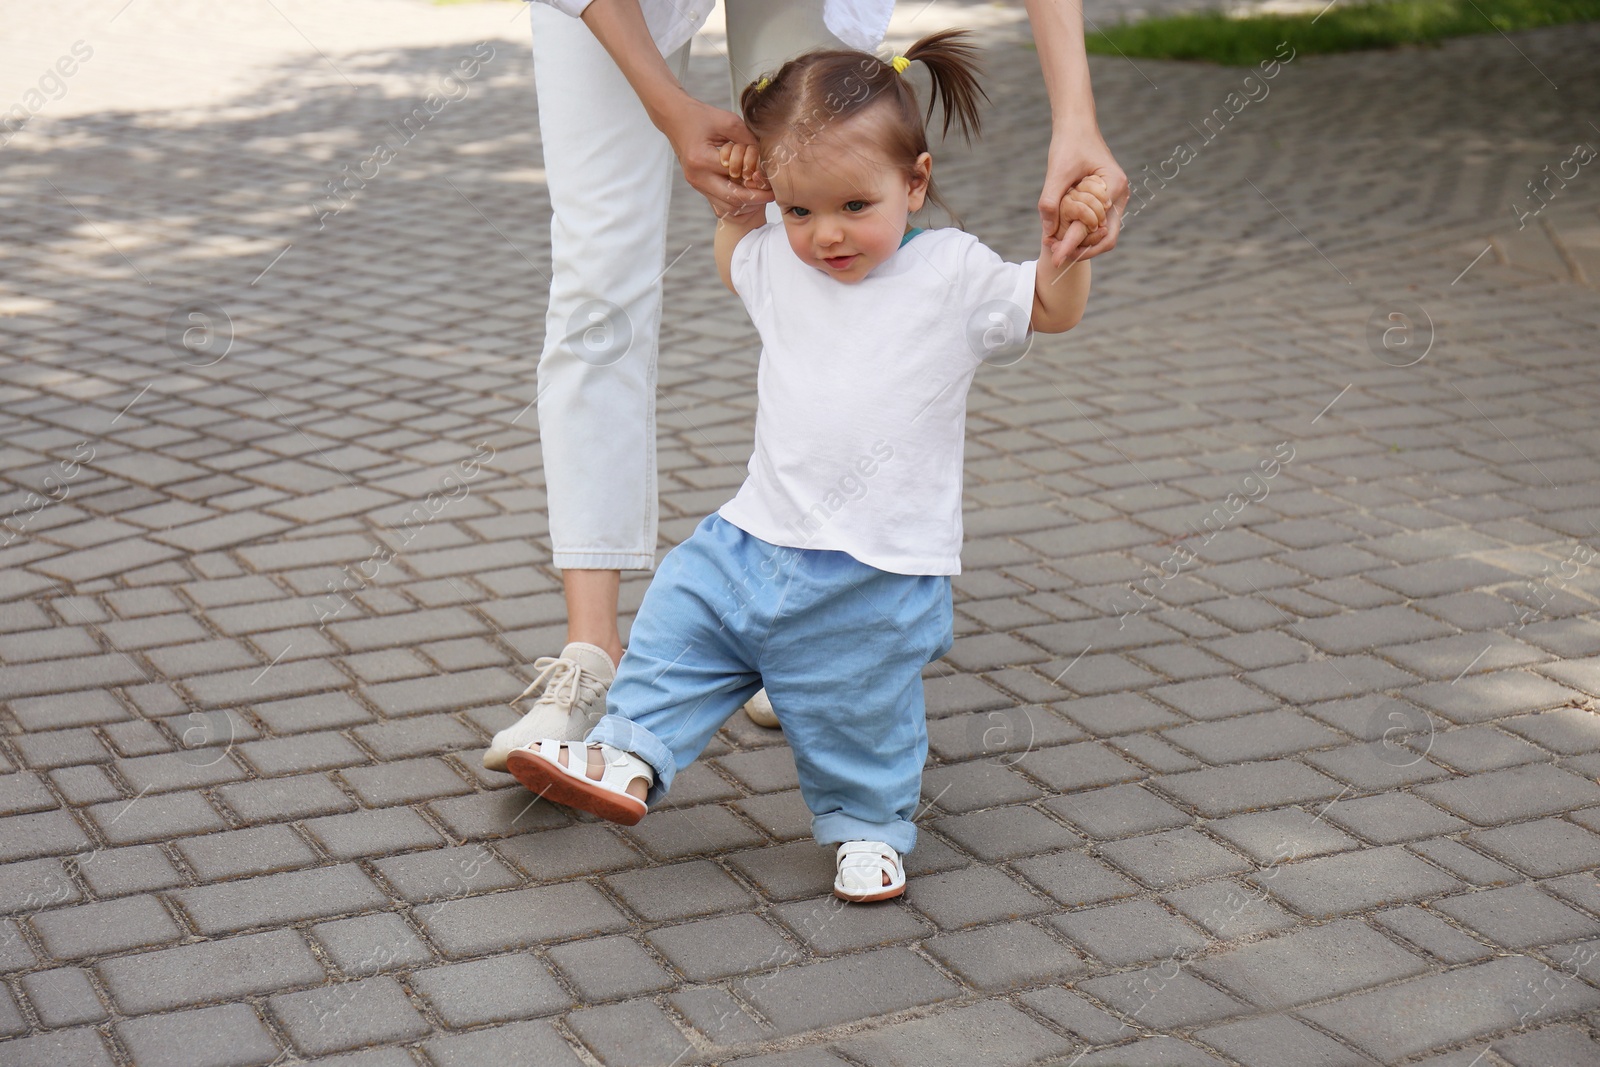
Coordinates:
[1247,41]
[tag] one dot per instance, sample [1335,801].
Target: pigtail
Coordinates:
[952,64]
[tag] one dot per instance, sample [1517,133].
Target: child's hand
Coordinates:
[743,162]
[1083,213]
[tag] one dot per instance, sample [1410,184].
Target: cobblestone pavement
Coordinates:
[1229,767]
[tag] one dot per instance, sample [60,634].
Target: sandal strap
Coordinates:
[869,860]
[622,768]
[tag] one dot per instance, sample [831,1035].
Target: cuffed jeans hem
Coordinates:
[618,732]
[605,561]
[836,827]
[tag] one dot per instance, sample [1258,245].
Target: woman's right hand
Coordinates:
[697,132]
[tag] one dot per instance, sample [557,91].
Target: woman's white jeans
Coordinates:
[610,174]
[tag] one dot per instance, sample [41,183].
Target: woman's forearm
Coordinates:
[619,26]
[1058,35]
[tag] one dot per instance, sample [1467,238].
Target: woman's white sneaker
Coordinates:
[572,698]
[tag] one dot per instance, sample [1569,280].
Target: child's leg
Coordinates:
[691,654]
[845,672]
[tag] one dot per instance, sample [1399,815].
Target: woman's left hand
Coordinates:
[1073,157]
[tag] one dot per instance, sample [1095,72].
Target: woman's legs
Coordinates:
[609,172]
[764,33]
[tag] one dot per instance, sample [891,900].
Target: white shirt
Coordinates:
[858,23]
[862,394]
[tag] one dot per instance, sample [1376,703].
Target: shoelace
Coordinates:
[560,678]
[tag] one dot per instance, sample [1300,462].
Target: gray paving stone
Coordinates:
[1219,791]
[1253,737]
[633,1033]
[103,928]
[1170,857]
[1005,956]
[348,1015]
[63,996]
[680,891]
[610,968]
[371,944]
[114,872]
[1392,818]
[498,989]
[1339,676]
[1543,848]
[1548,1045]
[975,784]
[1279,1039]
[1133,932]
[1229,910]
[81,1046]
[1116,811]
[1354,881]
[1074,879]
[472,926]
[227,1036]
[708,949]
[260,850]
[1309,964]
[1471,867]
[1006,833]
[972,896]
[1512,795]
[827,925]
[282,799]
[1518,916]
[1066,768]
[404,782]
[279,899]
[851,988]
[1450,1007]
[1481,697]
[1482,748]
[1282,834]
[988,1032]
[1214,698]
[1432,934]
[209,971]
[523,1044]
[1166,996]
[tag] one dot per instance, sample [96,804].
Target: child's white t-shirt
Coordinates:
[862,394]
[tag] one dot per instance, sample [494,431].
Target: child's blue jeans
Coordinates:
[839,645]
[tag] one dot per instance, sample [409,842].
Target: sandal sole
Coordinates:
[869,898]
[548,780]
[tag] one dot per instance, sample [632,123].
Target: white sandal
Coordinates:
[541,770]
[860,869]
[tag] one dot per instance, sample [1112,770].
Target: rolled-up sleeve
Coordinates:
[567,7]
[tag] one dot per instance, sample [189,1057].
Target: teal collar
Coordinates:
[909,235]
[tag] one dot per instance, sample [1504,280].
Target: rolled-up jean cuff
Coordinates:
[835,828]
[618,732]
[604,561]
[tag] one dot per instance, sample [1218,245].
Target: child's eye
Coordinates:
[856,205]
[800,212]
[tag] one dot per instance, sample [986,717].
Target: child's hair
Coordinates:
[793,107]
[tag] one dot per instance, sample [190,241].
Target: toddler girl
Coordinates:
[827,577]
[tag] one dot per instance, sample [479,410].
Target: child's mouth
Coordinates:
[840,262]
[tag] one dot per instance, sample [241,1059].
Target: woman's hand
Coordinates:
[1074,159]
[699,134]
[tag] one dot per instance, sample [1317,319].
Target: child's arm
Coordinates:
[731,229]
[742,164]
[1060,293]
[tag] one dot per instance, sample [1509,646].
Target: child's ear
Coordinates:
[922,175]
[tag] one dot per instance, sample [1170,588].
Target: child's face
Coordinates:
[844,205]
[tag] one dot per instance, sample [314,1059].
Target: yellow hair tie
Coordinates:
[763,83]
[900,63]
